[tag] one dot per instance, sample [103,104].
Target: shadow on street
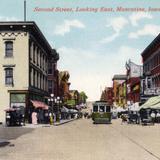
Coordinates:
[13,132]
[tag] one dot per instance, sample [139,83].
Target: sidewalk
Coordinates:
[48,125]
[64,121]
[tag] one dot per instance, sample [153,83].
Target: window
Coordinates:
[9,49]
[108,108]
[149,83]
[50,68]
[102,108]
[50,86]
[9,76]
[34,53]
[95,108]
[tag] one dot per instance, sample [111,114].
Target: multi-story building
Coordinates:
[24,57]
[64,85]
[122,100]
[118,80]
[134,75]
[107,95]
[53,74]
[151,69]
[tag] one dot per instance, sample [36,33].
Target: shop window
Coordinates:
[17,98]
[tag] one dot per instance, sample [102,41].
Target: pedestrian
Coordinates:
[50,118]
[153,116]
[46,117]
[124,118]
[158,117]
[34,117]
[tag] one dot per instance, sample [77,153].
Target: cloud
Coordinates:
[3,18]
[126,53]
[136,17]
[84,76]
[110,39]
[67,25]
[147,30]
[117,24]
[91,70]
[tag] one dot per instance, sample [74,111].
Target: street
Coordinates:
[82,140]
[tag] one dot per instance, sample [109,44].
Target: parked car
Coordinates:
[15,117]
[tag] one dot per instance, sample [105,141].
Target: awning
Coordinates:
[120,109]
[38,104]
[156,106]
[9,109]
[151,102]
[79,107]
[65,110]
[73,111]
[134,107]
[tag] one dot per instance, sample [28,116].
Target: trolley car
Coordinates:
[101,113]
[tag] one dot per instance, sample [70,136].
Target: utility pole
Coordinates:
[24,10]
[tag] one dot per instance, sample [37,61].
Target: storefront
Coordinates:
[29,103]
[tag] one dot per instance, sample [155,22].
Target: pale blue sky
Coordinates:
[92,46]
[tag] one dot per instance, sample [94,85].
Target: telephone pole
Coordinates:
[24,10]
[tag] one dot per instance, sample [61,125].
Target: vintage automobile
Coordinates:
[15,116]
[101,113]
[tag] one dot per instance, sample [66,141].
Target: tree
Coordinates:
[82,97]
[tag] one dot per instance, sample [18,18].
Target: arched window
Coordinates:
[8,48]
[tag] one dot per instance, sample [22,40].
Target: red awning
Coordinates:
[38,104]
[9,109]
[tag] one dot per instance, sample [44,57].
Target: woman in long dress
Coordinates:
[34,117]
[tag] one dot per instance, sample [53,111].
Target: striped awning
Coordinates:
[39,104]
[151,102]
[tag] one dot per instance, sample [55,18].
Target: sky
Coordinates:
[93,44]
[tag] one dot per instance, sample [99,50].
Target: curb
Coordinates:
[3,142]
[58,124]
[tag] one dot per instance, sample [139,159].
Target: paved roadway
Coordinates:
[81,140]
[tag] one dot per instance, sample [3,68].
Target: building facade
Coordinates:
[107,95]
[53,78]
[24,63]
[151,69]
[118,95]
[64,85]
[134,75]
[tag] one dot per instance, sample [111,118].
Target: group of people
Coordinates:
[42,117]
[155,116]
[143,116]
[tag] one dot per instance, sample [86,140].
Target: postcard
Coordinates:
[79,80]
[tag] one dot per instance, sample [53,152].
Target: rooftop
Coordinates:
[119,77]
[32,28]
[152,45]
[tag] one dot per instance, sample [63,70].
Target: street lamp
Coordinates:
[51,99]
[58,101]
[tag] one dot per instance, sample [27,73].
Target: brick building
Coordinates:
[134,74]
[107,95]
[118,80]
[151,69]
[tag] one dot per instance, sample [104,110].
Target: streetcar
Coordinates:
[101,112]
